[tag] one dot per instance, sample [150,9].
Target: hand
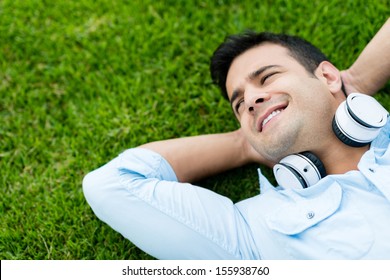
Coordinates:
[250,153]
[351,84]
[371,70]
[347,78]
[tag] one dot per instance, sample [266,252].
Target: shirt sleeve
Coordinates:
[138,195]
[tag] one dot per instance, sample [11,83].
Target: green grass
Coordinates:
[80,81]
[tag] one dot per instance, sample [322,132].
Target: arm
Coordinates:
[371,70]
[137,194]
[197,157]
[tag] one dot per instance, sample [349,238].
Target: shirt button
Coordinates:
[371,169]
[310,215]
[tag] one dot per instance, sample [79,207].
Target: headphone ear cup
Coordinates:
[358,120]
[317,162]
[344,138]
[288,176]
[299,171]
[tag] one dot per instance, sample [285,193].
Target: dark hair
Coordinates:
[304,52]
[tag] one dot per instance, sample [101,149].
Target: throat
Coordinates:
[340,161]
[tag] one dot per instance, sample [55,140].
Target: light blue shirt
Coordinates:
[342,217]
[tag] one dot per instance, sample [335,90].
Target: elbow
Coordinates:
[90,188]
[100,186]
[87,184]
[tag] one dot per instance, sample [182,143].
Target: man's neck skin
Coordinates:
[339,158]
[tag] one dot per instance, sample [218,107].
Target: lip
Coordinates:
[259,123]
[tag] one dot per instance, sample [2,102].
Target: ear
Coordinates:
[330,75]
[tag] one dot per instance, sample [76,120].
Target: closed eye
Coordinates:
[238,105]
[265,77]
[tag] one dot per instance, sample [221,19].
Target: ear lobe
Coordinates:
[328,73]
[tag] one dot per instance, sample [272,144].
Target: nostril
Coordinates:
[259,100]
[250,109]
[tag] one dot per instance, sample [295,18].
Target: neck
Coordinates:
[339,158]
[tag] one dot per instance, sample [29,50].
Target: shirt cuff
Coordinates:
[146,163]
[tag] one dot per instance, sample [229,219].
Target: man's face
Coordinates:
[281,107]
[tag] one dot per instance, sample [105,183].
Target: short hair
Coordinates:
[304,52]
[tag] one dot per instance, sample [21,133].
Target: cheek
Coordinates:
[289,83]
[246,126]
[245,119]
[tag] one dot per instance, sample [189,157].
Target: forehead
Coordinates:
[255,58]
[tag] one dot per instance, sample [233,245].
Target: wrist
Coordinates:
[351,81]
[247,153]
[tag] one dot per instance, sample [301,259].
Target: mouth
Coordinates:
[269,115]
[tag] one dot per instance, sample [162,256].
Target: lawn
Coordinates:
[80,81]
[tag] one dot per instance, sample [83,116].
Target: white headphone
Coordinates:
[299,171]
[357,122]
[359,119]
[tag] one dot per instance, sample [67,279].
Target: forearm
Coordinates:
[371,70]
[197,157]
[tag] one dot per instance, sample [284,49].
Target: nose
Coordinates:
[254,98]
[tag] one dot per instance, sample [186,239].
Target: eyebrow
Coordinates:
[251,77]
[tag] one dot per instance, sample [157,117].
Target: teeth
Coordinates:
[270,116]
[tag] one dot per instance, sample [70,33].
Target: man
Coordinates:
[285,105]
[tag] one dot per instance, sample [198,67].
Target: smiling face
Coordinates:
[282,108]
